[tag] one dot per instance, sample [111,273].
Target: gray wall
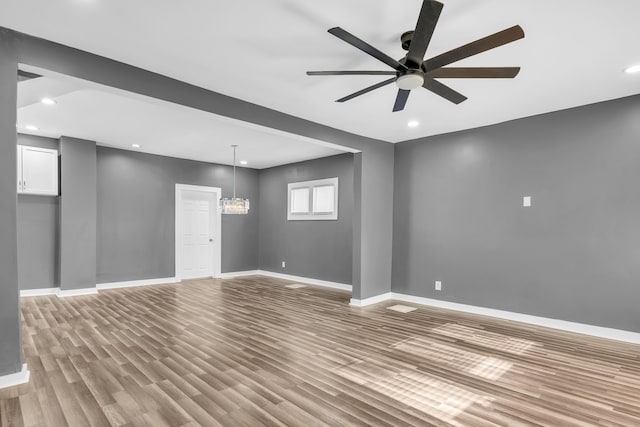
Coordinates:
[10,340]
[574,255]
[38,141]
[374,223]
[38,231]
[373,228]
[129,245]
[77,213]
[136,214]
[316,249]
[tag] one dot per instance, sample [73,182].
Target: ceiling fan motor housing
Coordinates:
[406,38]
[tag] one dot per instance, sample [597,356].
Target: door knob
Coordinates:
[211,240]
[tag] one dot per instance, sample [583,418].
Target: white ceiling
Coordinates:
[119,119]
[574,53]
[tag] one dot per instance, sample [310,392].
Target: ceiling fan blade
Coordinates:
[498,39]
[401,100]
[429,15]
[444,91]
[366,48]
[351,73]
[367,89]
[474,73]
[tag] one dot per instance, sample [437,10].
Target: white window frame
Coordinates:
[312,214]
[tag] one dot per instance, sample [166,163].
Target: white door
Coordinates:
[197,240]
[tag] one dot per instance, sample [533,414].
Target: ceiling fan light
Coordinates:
[410,81]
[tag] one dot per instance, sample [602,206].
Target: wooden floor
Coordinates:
[253,352]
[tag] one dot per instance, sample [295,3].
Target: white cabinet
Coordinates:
[37,171]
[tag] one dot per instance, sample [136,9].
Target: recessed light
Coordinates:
[136,145]
[31,127]
[48,101]
[243,162]
[413,123]
[633,69]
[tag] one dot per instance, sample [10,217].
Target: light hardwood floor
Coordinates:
[250,351]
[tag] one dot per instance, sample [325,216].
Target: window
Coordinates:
[323,199]
[313,200]
[299,200]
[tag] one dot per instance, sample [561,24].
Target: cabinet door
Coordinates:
[39,171]
[19,168]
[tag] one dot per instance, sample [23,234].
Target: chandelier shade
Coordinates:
[234,205]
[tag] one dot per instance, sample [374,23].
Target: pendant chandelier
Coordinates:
[234,205]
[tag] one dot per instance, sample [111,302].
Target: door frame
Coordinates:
[217,243]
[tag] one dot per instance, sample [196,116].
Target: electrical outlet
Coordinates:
[438,285]
[284,264]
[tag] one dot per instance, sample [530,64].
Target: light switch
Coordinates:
[526,201]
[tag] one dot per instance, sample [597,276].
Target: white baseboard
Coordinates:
[371,300]
[233,274]
[38,292]
[58,292]
[307,280]
[134,283]
[18,378]
[99,287]
[335,285]
[563,325]
[64,293]
[580,328]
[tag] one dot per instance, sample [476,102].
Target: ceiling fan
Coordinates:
[414,71]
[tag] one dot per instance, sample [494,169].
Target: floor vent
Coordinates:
[295,286]
[401,308]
